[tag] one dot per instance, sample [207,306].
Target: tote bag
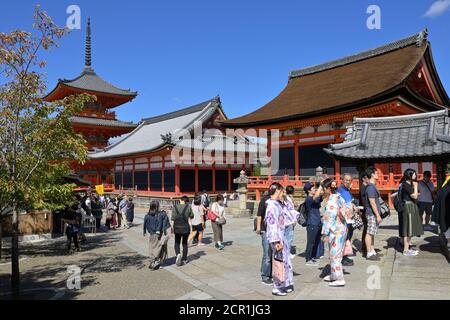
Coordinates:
[278,271]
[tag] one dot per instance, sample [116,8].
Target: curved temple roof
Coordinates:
[342,83]
[156,132]
[406,137]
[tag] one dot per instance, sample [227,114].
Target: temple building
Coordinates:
[320,102]
[144,161]
[97,123]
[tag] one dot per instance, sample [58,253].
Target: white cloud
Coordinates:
[437,8]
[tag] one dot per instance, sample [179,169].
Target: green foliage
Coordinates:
[37,142]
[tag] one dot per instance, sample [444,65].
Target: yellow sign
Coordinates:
[99,189]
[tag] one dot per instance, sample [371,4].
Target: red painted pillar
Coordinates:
[297,162]
[196,178]
[229,179]
[162,180]
[177,179]
[132,176]
[214,178]
[337,171]
[148,177]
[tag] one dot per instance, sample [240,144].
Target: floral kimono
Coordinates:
[336,231]
[276,216]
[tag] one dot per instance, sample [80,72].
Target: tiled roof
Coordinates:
[102,122]
[400,137]
[89,80]
[156,132]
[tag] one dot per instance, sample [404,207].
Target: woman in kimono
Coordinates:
[334,231]
[277,214]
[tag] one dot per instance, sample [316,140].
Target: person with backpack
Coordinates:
[129,213]
[292,218]
[409,219]
[181,214]
[153,225]
[266,261]
[313,223]
[426,200]
[372,213]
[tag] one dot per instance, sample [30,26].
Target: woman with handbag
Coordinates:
[217,217]
[334,231]
[110,211]
[410,221]
[276,216]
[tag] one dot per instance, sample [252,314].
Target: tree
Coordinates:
[37,142]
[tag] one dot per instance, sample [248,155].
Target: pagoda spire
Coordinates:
[87,51]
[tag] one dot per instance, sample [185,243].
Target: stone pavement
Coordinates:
[234,272]
[114,266]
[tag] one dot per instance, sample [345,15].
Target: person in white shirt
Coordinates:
[218,210]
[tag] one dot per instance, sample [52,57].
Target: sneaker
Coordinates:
[373,257]
[327,278]
[433,224]
[289,289]
[337,283]
[409,253]
[428,228]
[311,263]
[279,293]
[267,282]
[178,260]
[201,244]
[221,247]
[292,256]
[347,262]
[184,262]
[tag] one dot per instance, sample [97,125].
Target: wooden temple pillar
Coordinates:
[337,171]
[177,179]
[440,173]
[297,162]
[196,178]
[229,179]
[362,166]
[214,178]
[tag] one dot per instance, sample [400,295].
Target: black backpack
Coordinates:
[303,216]
[181,223]
[399,205]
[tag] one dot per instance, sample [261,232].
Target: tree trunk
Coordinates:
[1,235]
[15,275]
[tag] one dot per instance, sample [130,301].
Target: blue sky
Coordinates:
[178,53]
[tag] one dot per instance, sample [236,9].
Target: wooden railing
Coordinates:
[386,184]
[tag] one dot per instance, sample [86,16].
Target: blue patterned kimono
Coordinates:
[336,231]
[276,216]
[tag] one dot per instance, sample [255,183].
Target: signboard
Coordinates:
[99,189]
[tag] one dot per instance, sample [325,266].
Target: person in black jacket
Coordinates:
[153,224]
[266,261]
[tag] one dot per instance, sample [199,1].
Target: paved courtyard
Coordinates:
[114,266]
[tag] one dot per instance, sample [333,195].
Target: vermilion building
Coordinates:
[319,103]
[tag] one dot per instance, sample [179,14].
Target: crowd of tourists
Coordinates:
[87,211]
[330,214]
[187,223]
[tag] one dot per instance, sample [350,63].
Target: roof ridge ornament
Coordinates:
[422,37]
[88,48]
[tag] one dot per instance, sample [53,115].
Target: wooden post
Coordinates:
[196,178]
[229,179]
[214,178]
[297,161]
[177,179]
[337,171]
[361,167]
